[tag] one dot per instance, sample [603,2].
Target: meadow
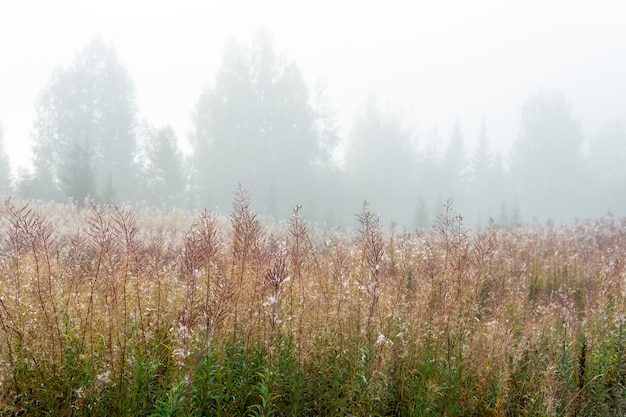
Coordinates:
[108,311]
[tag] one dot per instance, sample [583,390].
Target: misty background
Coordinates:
[513,112]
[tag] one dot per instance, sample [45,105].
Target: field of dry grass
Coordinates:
[112,312]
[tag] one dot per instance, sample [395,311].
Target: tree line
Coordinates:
[259,124]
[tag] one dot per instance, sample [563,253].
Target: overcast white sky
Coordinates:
[436,61]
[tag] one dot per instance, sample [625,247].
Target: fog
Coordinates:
[514,112]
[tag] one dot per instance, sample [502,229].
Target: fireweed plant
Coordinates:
[112,311]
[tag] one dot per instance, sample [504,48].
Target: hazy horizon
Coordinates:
[433,63]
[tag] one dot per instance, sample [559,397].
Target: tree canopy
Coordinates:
[162,174]
[84,130]
[546,160]
[381,163]
[256,126]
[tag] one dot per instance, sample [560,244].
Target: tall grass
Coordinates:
[108,312]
